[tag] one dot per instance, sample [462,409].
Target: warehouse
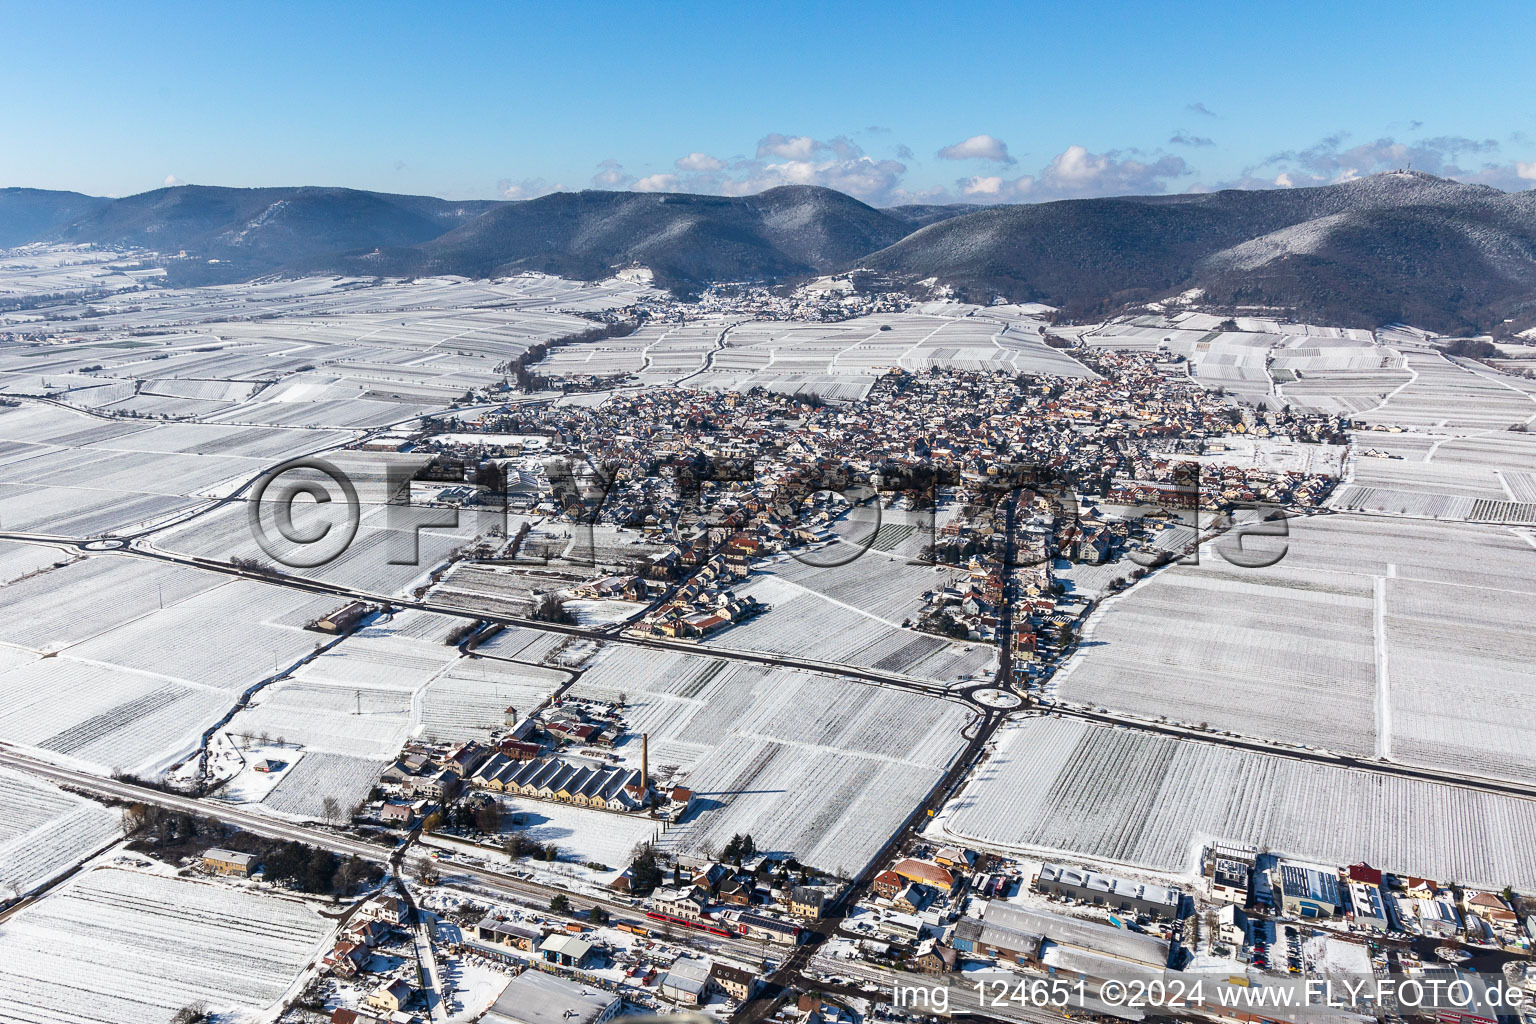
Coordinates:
[1128,949]
[1105,891]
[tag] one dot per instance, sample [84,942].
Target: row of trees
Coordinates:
[174,834]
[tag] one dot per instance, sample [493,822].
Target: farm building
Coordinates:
[228,862]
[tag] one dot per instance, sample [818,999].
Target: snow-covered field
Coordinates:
[1348,643]
[833,360]
[1117,796]
[45,831]
[134,948]
[820,767]
[854,615]
[140,657]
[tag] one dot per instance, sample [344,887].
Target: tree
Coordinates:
[1064,635]
[559,903]
[433,823]
[332,807]
[135,817]
[598,915]
[193,1013]
[488,817]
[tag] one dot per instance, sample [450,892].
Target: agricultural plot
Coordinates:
[581,834]
[395,546]
[143,946]
[500,590]
[70,475]
[834,360]
[1445,394]
[1058,787]
[840,615]
[1347,644]
[1273,653]
[472,698]
[1327,369]
[350,709]
[518,643]
[36,270]
[144,657]
[822,767]
[315,354]
[319,774]
[1487,476]
[46,831]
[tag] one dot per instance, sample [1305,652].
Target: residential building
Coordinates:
[807,902]
[384,907]
[1232,925]
[228,862]
[738,983]
[390,998]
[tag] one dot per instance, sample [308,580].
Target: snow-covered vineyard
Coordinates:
[1340,645]
[45,830]
[143,946]
[1064,787]
[770,686]
[820,767]
[837,361]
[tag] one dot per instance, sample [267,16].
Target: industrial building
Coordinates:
[1084,886]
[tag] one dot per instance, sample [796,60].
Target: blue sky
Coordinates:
[1025,102]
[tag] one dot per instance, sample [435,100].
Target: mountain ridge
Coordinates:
[1396,246]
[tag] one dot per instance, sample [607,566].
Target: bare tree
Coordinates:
[332,807]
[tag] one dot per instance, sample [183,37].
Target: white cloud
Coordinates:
[699,162]
[610,174]
[1076,173]
[171,179]
[528,188]
[1330,160]
[788,147]
[1201,109]
[658,183]
[982,186]
[978,147]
